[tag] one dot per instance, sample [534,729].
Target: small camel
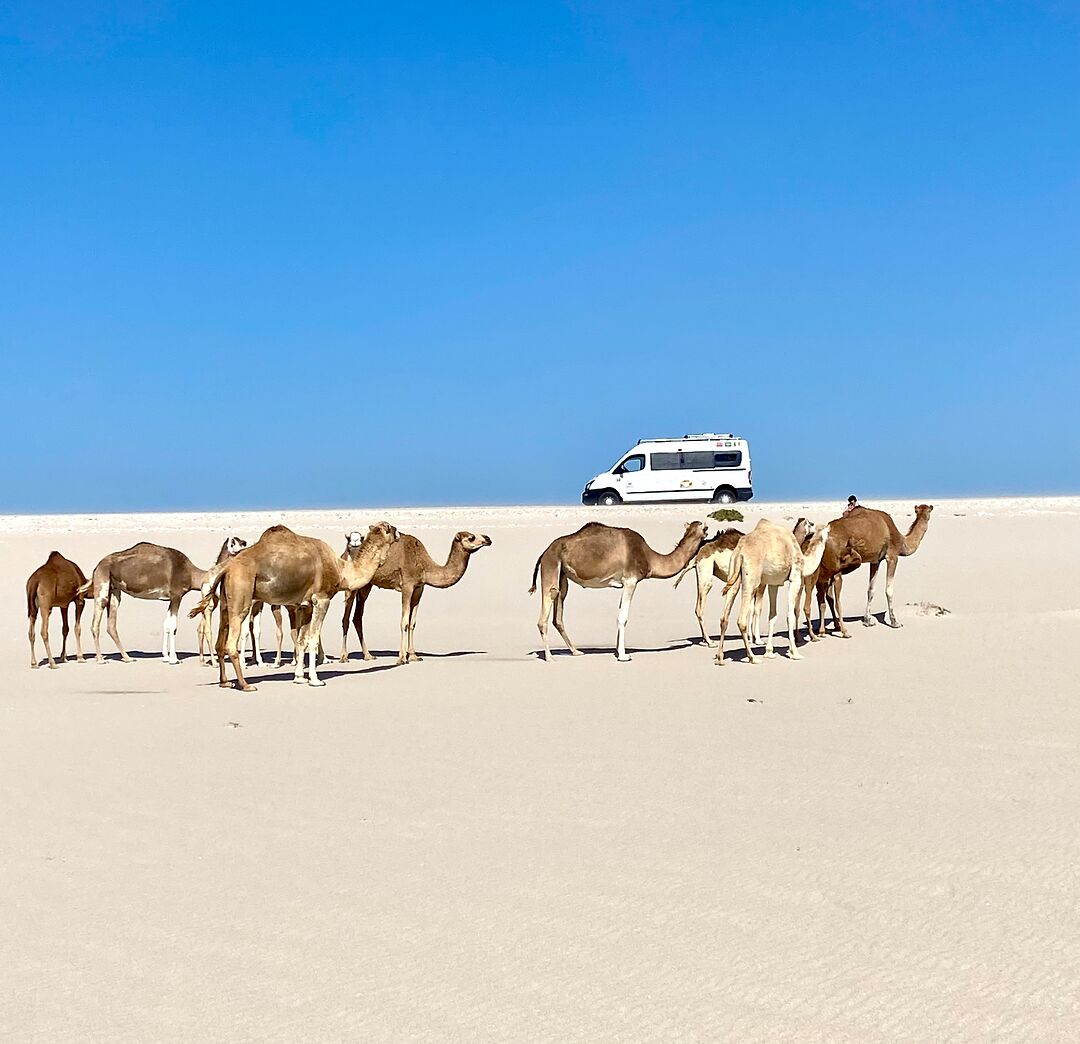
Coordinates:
[283,568]
[152,572]
[409,569]
[605,556]
[874,536]
[55,585]
[713,561]
[206,631]
[768,556]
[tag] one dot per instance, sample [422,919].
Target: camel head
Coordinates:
[922,511]
[471,542]
[803,530]
[696,531]
[234,545]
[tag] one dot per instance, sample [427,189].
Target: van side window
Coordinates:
[695,460]
[634,463]
[664,461]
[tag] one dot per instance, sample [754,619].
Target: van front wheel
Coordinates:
[724,495]
[609,499]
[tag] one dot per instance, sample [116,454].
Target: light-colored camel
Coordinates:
[874,536]
[283,568]
[152,572]
[409,569]
[713,562]
[605,556]
[55,585]
[770,557]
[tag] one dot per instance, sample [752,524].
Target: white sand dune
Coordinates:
[877,843]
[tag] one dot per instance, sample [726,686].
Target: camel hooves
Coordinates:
[316,683]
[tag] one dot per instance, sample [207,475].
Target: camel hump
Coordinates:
[55,558]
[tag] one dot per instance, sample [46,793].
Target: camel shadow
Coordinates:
[608,650]
[392,654]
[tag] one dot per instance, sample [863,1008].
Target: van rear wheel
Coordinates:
[609,499]
[724,495]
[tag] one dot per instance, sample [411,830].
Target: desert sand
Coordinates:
[877,843]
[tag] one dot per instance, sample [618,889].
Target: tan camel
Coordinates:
[713,561]
[409,569]
[55,585]
[770,557]
[283,568]
[874,536]
[605,556]
[152,572]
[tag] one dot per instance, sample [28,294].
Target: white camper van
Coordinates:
[657,471]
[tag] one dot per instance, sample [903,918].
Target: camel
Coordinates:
[55,585]
[205,631]
[769,556]
[605,556]
[152,572]
[874,536]
[847,560]
[409,569]
[713,561]
[283,568]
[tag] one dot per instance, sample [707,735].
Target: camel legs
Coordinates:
[838,611]
[704,586]
[624,614]
[110,626]
[43,610]
[358,620]
[868,620]
[168,632]
[725,615]
[549,592]
[746,608]
[406,614]
[310,641]
[275,611]
[33,638]
[560,603]
[237,621]
[80,606]
[769,651]
[794,590]
[414,612]
[890,575]
[350,600]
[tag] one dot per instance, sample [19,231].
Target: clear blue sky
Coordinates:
[282,254]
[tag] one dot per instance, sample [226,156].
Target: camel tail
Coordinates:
[536,571]
[31,599]
[735,576]
[685,569]
[86,588]
[207,599]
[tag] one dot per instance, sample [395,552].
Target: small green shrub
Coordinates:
[727,515]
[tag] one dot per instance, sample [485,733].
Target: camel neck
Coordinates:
[449,574]
[913,537]
[662,567]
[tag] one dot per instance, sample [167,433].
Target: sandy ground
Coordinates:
[877,843]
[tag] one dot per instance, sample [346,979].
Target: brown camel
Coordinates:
[713,561]
[409,569]
[152,572]
[55,585]
[874,536]
[605,556]
[769,556]
[283,568]
[847,560]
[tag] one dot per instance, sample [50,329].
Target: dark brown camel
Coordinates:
[55,585]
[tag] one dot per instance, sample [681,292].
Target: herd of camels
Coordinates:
[302,574]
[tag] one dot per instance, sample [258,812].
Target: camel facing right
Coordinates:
[605,556]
